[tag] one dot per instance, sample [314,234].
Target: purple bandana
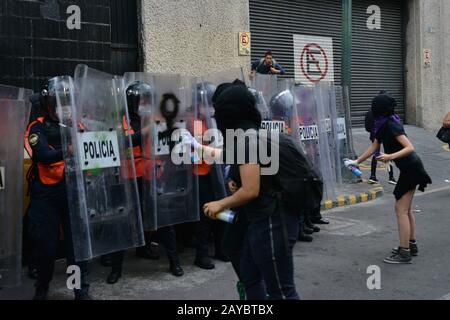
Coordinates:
[380,122]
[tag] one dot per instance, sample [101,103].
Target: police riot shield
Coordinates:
[170,186]
[206,131]
[207,87]
[264,87]
[102,191]
[345,138]
[313,135]
[14,112]
[326,100]
[283,116]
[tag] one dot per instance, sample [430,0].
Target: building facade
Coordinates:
[397,45]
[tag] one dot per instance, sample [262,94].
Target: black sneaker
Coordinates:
[392,181]
[402,256]
[373,180]
[412,247]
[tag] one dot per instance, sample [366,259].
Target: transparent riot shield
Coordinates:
[264,87]
[313,135]
[170,187]
[207,87]
[326,100]
[345,139]
[14,112]
[224,76]
[102,192]
[282,114]
[206,131]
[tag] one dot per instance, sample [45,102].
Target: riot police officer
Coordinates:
[281,106]
[48,205]
[135,92]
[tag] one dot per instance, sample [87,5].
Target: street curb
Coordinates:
[352,199]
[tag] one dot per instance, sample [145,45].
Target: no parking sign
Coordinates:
[314,60]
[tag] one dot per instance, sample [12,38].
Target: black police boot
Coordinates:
[221,256]
[307,230]
[320,221]
[41,293]
[305,238]
[114,276]
[313,227]
[147,252]
[106,260]
[175,268]
[302,237]
[204,263]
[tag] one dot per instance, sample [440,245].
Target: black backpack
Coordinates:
[297,184]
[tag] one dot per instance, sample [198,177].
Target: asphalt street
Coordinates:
[333,267]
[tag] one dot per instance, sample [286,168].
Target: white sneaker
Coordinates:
[393,182]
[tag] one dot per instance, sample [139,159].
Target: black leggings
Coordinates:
[373,172]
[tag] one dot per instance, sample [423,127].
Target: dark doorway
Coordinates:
[124,36]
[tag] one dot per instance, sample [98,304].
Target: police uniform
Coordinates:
[206,226]
[48,205]
[167,235]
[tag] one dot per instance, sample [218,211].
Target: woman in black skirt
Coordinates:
[389,131]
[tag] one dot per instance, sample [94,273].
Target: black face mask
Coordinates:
[383,105]
[236,109]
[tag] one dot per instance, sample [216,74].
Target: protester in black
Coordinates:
[266,262]
[369,123]
[389,131]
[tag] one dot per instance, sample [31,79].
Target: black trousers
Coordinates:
[267,266]
[168,239]
[206,226]
[44,221]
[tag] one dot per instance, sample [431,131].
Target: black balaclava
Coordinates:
[236,108]
[383,105]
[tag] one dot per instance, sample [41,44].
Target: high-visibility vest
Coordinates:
[49,174]
[137,153]
[203,168]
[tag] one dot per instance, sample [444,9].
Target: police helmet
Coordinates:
[206,90]
[281,104]
[138,93]
[47,95]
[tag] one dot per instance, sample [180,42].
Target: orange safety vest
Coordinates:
[49,174]
[203,168]
[137,153]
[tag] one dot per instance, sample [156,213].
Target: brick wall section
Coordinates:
[35,42]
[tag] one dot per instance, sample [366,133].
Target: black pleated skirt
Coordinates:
[411,177]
